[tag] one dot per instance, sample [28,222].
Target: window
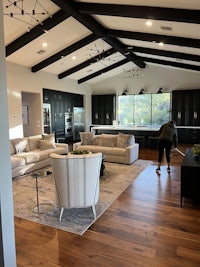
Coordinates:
[145,109]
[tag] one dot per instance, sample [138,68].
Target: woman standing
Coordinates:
[167,137]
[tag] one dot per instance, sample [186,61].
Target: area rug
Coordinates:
[116,178]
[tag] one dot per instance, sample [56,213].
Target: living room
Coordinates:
[21,80]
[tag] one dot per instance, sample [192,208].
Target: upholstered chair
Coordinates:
[76,180]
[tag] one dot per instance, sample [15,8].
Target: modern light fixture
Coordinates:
[132,73]
[21,11]
[141,92]
[160,90]
[125,92]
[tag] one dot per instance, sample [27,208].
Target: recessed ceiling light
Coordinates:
[44,44]
[149,23]
[160,44]
[74,57]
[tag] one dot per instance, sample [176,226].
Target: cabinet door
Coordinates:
[78,100]
[103,109]
[69,102]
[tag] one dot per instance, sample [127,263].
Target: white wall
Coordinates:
[154,78]
[21,79]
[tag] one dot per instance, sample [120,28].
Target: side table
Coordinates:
[40,208]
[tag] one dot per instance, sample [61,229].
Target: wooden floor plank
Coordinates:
[144,227]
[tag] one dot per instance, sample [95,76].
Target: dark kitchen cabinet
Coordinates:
[77,100]
[103,109]
[61,103]
[186,107]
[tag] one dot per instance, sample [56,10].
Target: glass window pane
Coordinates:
[160,108]
[142,112]
[125,109]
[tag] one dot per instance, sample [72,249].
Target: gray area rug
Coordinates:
[116,179]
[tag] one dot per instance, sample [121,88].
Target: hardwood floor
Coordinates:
[144,227]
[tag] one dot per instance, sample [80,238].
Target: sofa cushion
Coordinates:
[46,144]
[33,156]
[20,144]
[104,150]
[12,149]
[124,140]
[87,138]
[49,137]
[108,140]
[17,161]
[33,142]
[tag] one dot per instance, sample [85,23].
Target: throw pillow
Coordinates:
[20,146]
[108,141]
[49,137]
[124,140]
[46,144]
[87,138]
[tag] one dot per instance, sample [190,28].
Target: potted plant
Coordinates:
[196,150]
[80,152]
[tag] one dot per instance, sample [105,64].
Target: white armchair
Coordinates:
[76,180]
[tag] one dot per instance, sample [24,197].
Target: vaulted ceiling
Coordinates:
[90,41]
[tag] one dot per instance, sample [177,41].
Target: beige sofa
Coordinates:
[32,153]
[120,148]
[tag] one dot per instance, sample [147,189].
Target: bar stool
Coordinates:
[140,139]
[153,142]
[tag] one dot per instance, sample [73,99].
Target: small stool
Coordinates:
[153,142]
[140,139]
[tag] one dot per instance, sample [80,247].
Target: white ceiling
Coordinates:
[71,31]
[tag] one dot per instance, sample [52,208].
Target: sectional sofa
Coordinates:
[32,153]
[120,148]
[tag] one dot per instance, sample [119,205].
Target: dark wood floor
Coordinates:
[144,227]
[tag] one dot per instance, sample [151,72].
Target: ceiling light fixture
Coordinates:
[160,90]
[125,92]
[30,16]
[132,73]
[141,92]
[149,23]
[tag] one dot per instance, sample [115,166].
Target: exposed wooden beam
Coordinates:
[145,12]
[86,63]
[68,50]
[26,38]
[164,53]
[148,37]
[100,72]
[69,7]
[171,63]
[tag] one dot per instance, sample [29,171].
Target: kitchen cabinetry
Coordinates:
[186,107]
[103,109]
[60,103]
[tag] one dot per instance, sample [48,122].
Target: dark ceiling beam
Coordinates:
[38,30]
[69,7]
[100,72]
[171,63]
[86,63]
[148,37]
[68,50]
[164,53]
[144,12]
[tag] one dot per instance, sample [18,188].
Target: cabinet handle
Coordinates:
[195,115]
[179,115]
[107,116]
[96,116]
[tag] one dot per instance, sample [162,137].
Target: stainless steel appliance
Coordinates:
[78,122]
[47,118]
[69,125]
